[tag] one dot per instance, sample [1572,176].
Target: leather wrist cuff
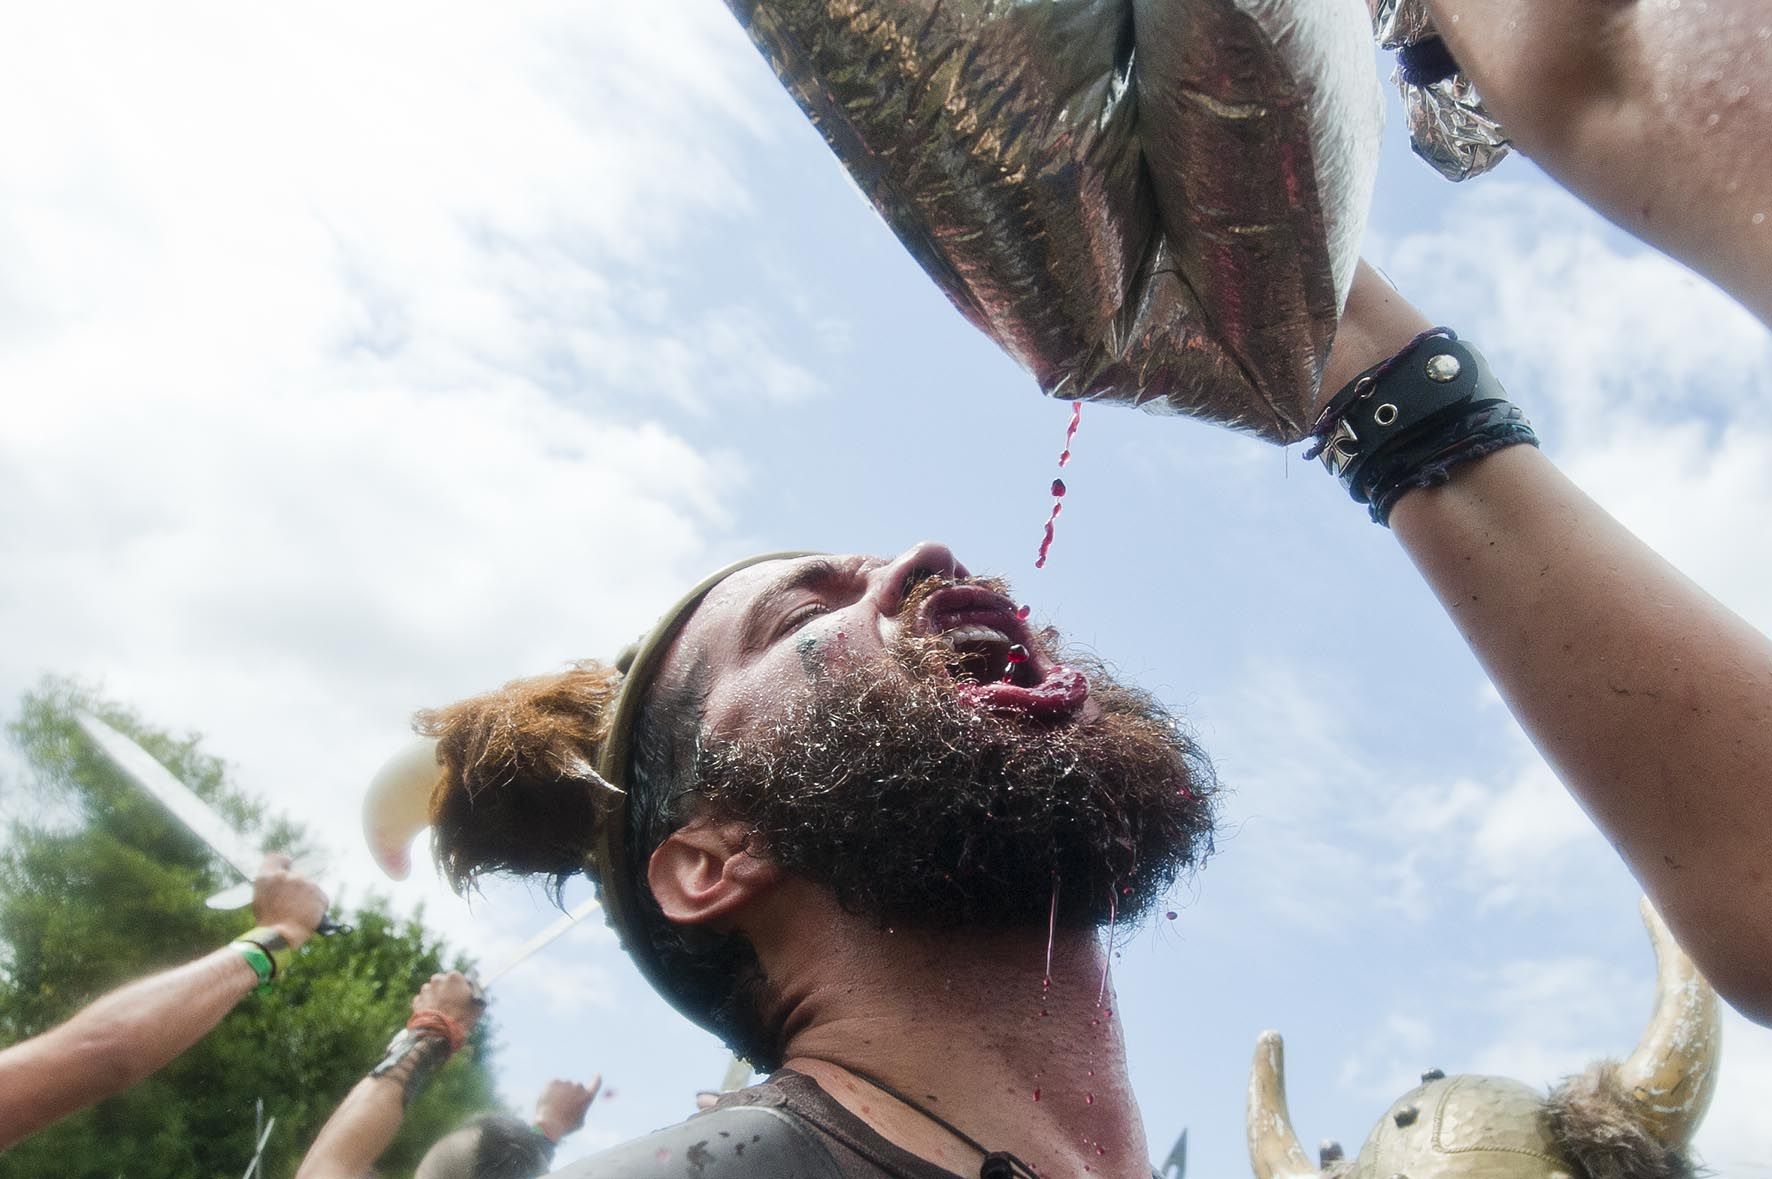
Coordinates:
[411,1060]
[1407,422]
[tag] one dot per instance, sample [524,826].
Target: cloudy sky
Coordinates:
[352,362]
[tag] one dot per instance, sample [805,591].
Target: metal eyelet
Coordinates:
[1385,414]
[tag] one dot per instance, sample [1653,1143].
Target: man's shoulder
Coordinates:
[735,1142]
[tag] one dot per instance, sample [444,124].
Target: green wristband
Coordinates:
[275,946]
[259,961]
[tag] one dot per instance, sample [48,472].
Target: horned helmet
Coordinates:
[1615,1121]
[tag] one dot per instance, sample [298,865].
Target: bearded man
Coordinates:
[866,807]
[857,818]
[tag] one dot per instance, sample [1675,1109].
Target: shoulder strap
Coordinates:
[737,1142]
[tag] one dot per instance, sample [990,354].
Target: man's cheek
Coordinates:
[823,655]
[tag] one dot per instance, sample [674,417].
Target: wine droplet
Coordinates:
[1036,1094]
[1058,487]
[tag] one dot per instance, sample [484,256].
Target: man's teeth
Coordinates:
[975,634]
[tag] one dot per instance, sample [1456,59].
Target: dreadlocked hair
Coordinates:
[519,793]
[520,796]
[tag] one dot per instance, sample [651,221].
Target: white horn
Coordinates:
[397,805]
[1274,1149]
[1673,1072]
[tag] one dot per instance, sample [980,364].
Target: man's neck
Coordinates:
[968,1027]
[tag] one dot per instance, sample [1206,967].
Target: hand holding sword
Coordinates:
[274,882]
[286,901]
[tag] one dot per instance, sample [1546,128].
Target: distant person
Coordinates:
[499,1146]
[496,1146]
[133,1032]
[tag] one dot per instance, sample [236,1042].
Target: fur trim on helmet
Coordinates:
[1596,1124]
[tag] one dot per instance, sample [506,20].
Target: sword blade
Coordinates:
[198,817]
[541,939]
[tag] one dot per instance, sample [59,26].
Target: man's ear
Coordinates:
[704,873]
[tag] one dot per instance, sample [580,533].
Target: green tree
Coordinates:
[98,886]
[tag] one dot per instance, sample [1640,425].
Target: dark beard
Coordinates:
[918,809]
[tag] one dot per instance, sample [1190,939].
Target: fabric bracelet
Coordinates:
[259,961]
[276,947]
[1406,422]
[435,1023]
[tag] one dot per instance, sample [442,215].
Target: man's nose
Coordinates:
[893,581]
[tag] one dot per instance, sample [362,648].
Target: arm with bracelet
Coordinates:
[444,1011]
[1651,700]
[134,1031]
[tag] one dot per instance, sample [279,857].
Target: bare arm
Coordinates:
[136,1030]
[363,1125]
[1651,700]
[1657,114]
[116,1042]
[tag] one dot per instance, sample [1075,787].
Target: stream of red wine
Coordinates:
[1058,487]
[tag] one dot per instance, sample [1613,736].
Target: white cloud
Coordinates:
[334,345]
[1736,1138]
[1389,1062]
[1652,389]
[337,349]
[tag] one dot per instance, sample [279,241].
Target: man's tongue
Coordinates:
[1058,696]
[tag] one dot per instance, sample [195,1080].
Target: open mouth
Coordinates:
[992,658]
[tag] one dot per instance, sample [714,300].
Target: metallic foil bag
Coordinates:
[1154,202]
[1448,125]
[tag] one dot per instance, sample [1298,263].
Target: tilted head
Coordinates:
[892,730]
[495,1146]
[1616,1121]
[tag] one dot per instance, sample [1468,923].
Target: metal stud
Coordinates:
[1443,368]
[1407,1115]
[1385,414]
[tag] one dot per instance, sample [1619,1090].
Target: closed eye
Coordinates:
[799,617]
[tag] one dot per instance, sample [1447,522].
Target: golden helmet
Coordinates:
[1631,1120]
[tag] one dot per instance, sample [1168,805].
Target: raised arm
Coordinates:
[1651,700]
[1657,114]
[134,1031]
[443,1012]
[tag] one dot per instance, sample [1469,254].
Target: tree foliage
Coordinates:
[98,886]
